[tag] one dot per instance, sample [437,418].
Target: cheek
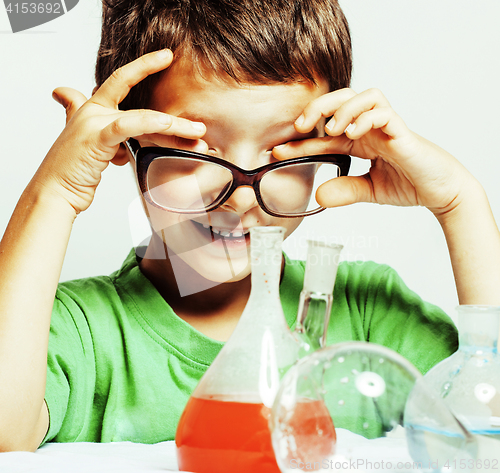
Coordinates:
[290,224]
[162,221]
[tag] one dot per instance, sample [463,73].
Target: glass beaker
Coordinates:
[224,427]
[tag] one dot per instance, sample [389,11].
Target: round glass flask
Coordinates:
[469,380]
[363,388]
[224,426]
[452,415]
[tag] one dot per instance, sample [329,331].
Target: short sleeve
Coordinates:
[398,318]
[70,371]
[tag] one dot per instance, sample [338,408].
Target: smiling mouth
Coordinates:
[216,233]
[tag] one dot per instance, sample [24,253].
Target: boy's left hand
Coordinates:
[405,168]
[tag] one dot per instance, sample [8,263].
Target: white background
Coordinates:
[437,61]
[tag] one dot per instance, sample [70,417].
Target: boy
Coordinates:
[250,83]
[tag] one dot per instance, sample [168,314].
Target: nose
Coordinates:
[241,200]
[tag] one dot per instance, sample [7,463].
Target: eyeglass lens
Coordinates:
[181,184]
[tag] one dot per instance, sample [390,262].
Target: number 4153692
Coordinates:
[472,464]
[27,8]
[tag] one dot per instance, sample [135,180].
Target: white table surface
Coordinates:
[128,457]
[84,457]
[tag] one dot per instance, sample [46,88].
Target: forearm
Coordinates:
[31,257]
[474,243]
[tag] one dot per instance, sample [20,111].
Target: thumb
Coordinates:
[70,99]
[345,191]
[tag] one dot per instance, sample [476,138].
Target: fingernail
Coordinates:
[57,98]
[280,146]
[330,125]
[198,126]
[163,53]
[300,120]
[165,120]
[350,128]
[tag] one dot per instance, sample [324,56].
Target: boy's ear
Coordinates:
[121,157]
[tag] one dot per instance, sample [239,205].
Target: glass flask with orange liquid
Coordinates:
[224,427]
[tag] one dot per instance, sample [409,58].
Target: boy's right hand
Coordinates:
[96,127]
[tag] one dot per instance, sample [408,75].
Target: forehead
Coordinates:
[182,91]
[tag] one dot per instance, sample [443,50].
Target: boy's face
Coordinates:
[244,123]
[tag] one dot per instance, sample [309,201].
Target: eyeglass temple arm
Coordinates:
[133,146]
[346,165]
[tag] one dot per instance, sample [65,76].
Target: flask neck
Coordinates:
[478,327]
[316,298]
[266,264]
[312,319]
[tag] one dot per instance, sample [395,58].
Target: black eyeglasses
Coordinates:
[193,183]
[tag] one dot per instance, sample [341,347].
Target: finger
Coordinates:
[345,190]
[165,141]
[350,110]
[384,118]
[143,122]
[118,85]
[70,99]
[323,106]
[312,146]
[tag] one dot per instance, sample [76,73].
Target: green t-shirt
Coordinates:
[122,365]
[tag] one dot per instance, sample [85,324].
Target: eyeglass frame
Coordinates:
[144,156]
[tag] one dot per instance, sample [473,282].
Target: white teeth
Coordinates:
[225,233]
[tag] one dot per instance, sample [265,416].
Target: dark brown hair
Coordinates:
[250,41]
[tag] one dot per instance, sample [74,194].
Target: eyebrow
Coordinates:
[276,126]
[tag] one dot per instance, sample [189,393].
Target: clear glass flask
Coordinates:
[224,427]
[363,389]
[370,392]
[469,380]
[453,413]
[308,424]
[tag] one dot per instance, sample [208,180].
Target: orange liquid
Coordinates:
[227,436]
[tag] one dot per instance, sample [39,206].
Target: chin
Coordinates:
[195,271]
[220,270]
